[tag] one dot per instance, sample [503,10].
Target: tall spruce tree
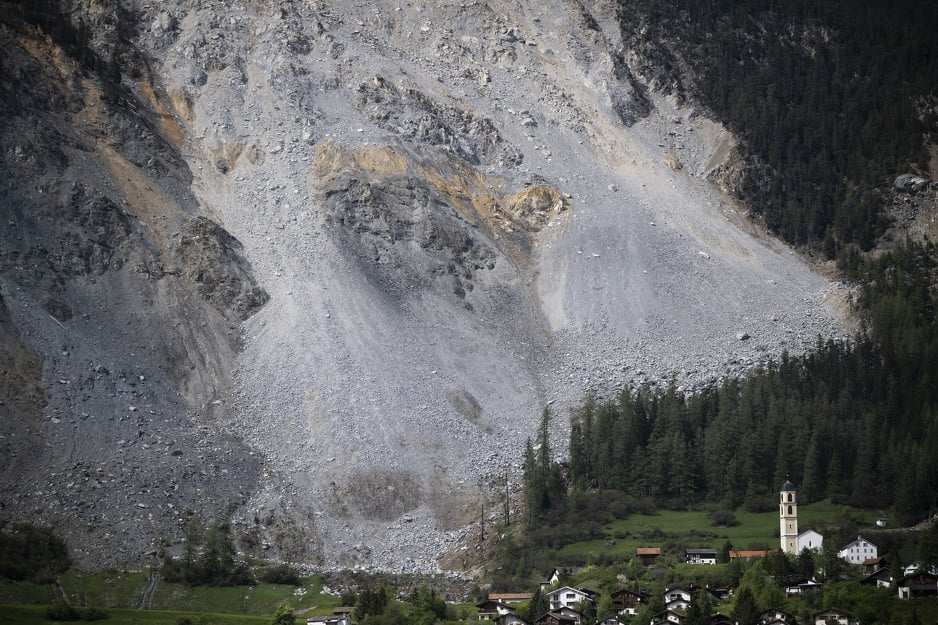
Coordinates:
[745,610]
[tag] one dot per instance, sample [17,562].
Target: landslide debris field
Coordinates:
[317,267]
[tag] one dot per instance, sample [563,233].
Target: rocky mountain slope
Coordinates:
[317,267]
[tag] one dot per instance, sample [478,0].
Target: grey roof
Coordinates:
[788,485]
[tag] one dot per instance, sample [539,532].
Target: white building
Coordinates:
[332,619]
[565,597]
[700,556]
[859,551]
[678,598]
[809,539]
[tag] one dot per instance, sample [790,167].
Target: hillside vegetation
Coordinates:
[854,422]
[832,100]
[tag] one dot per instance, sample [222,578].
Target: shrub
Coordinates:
[284,616]
[61,611]
[280,574]
[760,503]
[93,614]
[29,552]
[723,518]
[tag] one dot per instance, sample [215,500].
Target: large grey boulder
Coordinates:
[910,183]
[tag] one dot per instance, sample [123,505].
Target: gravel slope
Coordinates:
[460,214]
[381,399]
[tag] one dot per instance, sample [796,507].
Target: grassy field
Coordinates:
[25,592]
[694,529]
[120,593]
[35,615]
[105,589]
[261,599]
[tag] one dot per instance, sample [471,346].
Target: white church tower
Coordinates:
[788,518]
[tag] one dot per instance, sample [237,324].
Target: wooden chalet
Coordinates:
[648,555]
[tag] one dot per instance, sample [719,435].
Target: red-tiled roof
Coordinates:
[752,553]
[648,551]
[511,596]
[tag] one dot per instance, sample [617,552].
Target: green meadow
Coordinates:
[694,528]
[122,594]
[260,599]
[35,615]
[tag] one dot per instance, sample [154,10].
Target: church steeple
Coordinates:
[788,517]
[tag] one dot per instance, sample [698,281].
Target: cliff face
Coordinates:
[316,268]
[123,304]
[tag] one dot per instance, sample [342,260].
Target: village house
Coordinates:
[680,593]
[510,619]
[511,597]
[879,578]
[627,602]
[678,599]
[774,615]
[700,556]
[490,610]
[556,618]
[667,617]
[331,619]
[557,574]
[570,612]
[831,617]
[720,595]
[921,584]
[915,567]
[858,551]
[873,564]
[593,595]
[648,555]
[566,597]
[344,610]
[802,587]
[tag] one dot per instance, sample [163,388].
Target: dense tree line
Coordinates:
[853,421]
[32,553]
[208,559]
[830,99]
[378,606]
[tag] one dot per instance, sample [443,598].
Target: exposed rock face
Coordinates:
[21,395]
[415,116]
[913,207]
[211,258]
[114,339]
[316,268]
